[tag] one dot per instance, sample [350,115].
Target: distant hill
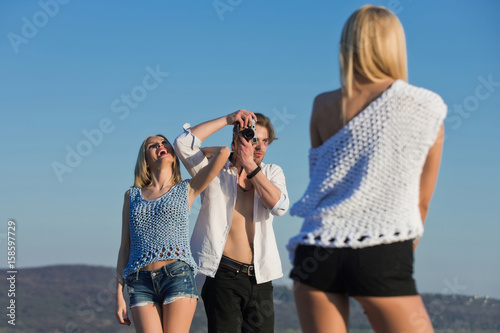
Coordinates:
[80,299]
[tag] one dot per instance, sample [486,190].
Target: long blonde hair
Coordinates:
[142,173]
[372,46]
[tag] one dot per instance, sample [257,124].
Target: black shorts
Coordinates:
[381,270]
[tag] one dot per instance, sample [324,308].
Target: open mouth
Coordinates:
[162,152]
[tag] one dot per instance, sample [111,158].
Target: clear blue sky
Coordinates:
[67,70]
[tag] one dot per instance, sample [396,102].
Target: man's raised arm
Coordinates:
[187,145]
[204,130]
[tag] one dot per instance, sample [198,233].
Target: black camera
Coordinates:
[249,133]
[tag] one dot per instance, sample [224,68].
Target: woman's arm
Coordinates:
[201,180]
[429,175]
[209,151]
[123,254]
[314,122]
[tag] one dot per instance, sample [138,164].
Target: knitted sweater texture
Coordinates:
[159,228]
[365,179]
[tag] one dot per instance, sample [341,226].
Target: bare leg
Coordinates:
[319,311]
[178,315]
[396,314]
[147,318]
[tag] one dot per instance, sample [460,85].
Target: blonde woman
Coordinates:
[155,259]
[376,148]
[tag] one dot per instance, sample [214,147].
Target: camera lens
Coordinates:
[247,134]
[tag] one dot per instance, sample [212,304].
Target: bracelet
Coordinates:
[253,173]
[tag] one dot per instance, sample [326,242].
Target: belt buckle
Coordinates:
[251,270]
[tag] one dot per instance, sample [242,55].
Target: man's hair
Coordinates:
[262,121]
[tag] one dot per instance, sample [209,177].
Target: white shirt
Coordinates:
[217,206]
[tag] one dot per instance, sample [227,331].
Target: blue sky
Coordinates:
[93,79]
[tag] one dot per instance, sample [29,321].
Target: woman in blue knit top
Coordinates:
[376,149]
[154,260]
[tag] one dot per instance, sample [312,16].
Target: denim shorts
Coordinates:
[163,286]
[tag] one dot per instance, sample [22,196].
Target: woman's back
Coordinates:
[327,119]
[365,177]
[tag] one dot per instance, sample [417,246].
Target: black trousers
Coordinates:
[234,302]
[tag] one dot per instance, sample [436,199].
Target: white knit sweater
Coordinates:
[364,180]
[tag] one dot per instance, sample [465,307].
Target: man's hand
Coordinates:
[244,154]
[242,117]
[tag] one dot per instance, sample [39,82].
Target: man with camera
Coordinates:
[233,240]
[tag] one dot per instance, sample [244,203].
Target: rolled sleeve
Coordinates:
[281,206]
[187,147]
[277,177]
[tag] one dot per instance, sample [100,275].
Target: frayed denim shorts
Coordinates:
[162,286]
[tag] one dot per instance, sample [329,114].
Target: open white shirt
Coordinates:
[217,206]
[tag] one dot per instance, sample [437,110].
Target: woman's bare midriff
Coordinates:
[157,265]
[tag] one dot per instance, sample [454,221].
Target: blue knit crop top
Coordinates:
[159,228]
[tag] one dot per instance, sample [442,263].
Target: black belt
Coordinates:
[237,266]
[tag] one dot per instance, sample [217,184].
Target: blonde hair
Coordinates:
[372,46]
[142,174]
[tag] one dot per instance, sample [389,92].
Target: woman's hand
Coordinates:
[121,311]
